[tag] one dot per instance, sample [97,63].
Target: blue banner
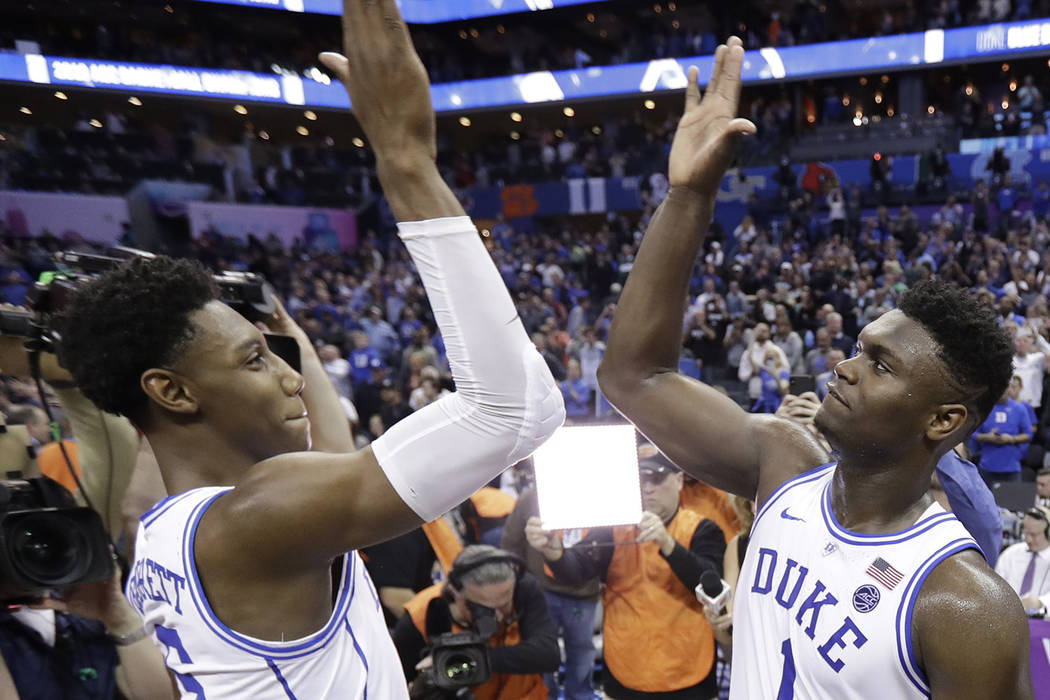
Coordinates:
[419,11]
[891,53]
[598,195]
[1010,143]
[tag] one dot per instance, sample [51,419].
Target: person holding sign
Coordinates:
[657,642]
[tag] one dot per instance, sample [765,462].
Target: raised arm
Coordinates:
[506,402]
[702,431]
[390,96]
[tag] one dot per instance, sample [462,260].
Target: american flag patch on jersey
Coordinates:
[883,572]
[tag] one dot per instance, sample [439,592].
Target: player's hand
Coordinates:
[387,83]
[98,600]
[708,131]
[546,542]
[651,529]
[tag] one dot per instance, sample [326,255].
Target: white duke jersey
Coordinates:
[821,612]
[351,657]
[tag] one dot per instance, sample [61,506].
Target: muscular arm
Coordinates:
[970,633]
[702,431]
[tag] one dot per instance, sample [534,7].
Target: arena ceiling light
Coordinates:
[569,112]
[516,117]
[264,135]
[95,123]
[649,104]
[311,115]
[302,130]
[61,95]
[599,460]
[135,101]
[26,110]
[358,141]
[464,121]
[240,109]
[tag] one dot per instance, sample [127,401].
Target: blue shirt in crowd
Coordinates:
[581,406]
[1010,418]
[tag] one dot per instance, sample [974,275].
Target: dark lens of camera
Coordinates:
[459,666]
[47,548]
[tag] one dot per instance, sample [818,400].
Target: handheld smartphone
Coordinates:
[286,348]
[799,384]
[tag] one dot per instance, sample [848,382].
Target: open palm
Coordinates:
[709,128]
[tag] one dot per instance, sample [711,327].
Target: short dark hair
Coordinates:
[976,350]
[128,320]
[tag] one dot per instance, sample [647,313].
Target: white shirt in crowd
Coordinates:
[1031,369]
[338,371]
[1013,563]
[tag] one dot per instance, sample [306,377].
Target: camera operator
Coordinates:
[485,582]
[657,642]
[88,644]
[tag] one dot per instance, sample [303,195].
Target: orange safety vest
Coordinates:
[711,503]
[502,686]
[53,465]
[656,638]
[444,541]
[492,503]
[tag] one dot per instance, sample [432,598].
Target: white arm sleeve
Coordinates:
[506,402]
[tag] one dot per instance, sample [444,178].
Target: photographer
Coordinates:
[88,644]
[485,582]
[657,643]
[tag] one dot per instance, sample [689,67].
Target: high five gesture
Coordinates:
[709,129]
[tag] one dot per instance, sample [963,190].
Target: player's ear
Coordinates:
[947,419]
[169,390]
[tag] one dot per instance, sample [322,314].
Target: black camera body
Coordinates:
[47,541]
[461,659]
[247,293]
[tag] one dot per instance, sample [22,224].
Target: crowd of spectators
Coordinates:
[765,303]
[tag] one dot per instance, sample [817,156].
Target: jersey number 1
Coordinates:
[787,678]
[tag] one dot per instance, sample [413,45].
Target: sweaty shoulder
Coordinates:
[787,449]
[970,633]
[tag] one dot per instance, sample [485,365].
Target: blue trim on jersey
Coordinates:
[861,540]
[259,647]
[353,637]
[161,507]
[284,683]
[360,654]
[803,478]
[905,651]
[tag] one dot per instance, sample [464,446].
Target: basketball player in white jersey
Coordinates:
[246,576]
[855,583]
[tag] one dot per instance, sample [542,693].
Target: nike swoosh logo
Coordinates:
[784,514]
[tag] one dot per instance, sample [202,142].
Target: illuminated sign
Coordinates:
[889,53]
